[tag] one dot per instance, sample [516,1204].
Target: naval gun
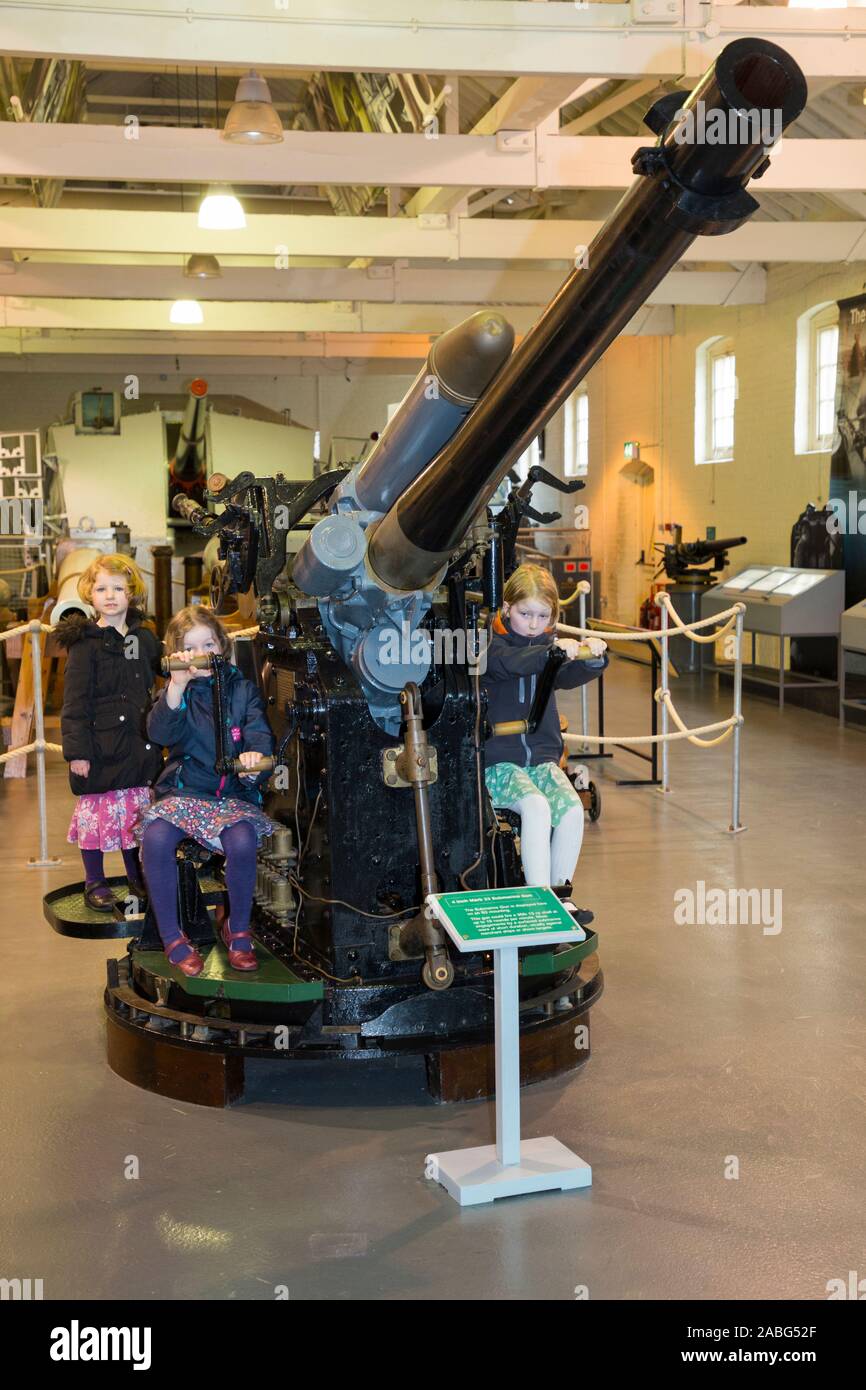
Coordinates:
[188,469]
[369,647]
[685,560]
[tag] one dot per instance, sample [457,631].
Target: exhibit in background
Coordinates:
[847,490]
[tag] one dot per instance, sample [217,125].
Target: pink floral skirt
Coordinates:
[106,820]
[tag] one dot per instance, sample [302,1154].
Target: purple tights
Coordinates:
[94,868]
[158,853]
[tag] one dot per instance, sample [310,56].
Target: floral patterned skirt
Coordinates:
[204,819]
[106,820]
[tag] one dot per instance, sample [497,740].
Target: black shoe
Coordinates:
[100,897]
[135,889]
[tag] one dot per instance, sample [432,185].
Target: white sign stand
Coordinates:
[510,1166]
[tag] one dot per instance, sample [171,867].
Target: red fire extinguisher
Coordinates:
[650,614]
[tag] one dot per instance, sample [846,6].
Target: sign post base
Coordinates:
[501,920]
[473,1176]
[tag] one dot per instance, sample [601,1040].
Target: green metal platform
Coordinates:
[272,983]
[565,958]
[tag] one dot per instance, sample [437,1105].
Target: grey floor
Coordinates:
[711,1044]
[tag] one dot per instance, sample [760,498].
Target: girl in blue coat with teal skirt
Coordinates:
[193,800]
[522,771]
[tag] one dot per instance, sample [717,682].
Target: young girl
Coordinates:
[523,772]
[111,666]
[194,800]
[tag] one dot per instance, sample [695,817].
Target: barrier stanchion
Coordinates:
[736,826]
[663,688]
[722,730]
[583,589]
[44,861]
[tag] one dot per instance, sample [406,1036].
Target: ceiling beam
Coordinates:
[166,155]
[608,106]
[379,285]
[527,103]
[470,238]
[500,37]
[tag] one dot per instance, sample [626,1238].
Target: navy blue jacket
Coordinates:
[188,733]
[513,666]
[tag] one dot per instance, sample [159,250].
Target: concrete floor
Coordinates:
[709,1042]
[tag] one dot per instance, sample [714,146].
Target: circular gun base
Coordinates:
[193,1046]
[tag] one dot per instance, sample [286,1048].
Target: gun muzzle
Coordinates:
[685,188]
[715,547]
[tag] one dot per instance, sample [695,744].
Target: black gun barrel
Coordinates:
[709,548]
[687,187]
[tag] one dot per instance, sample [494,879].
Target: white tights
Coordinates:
[547,862]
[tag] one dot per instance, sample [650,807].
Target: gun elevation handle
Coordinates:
[201,663]
[265,764]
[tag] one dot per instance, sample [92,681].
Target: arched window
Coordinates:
[815,394]
[577,435]
[715,400]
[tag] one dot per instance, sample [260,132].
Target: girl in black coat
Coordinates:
[111,665]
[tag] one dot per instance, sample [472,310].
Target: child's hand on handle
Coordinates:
[251,760]
[181,679]
[80,767]
[570,647]
[576,651]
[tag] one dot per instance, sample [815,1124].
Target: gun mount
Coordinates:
[385,781]
[682,560]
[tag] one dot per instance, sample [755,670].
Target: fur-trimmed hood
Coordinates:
[74,628]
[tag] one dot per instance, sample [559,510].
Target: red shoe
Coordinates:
[238,960]
[191,963]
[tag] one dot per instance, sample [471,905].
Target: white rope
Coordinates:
[727,724]
[649,634]
[686,628]
[25,627]
[30,748]
[664,697]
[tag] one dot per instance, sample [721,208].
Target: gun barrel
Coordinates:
[460,366]
[685,188]
[710,548]
[189,458]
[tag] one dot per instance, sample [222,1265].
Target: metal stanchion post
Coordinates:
[584,692]
[43,862]
[735,826]
[662,601]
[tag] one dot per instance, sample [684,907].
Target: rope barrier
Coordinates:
[34,747]
[644,634]
[728,724]
[24,627]
[664,697]
[723,730]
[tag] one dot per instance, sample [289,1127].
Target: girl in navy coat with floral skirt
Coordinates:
[193,800]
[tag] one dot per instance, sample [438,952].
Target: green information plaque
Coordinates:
[489,918]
